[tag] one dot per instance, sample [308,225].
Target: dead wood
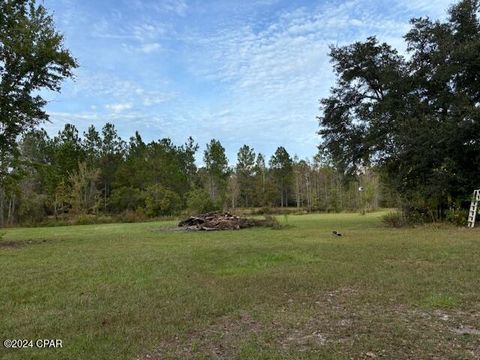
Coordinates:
[223,221]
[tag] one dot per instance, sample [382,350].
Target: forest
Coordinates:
[72,176]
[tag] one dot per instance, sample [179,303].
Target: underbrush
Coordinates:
[128,216]
[395,219]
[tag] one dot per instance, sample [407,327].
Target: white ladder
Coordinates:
[472,214]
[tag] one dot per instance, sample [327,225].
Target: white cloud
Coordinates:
[177,7]
[150,47]
[119,107]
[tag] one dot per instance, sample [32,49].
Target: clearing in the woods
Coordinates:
[126,291]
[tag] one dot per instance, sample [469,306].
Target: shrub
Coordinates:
[131,216]
[456,216]
[126,198]
[84,219]
[198,201]
[88,219]
[161,201]
[395,219]
[32,208]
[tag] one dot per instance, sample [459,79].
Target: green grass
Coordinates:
[127,291]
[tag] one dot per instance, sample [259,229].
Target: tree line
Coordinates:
[100,173]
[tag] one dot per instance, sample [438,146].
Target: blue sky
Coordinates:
[244,72]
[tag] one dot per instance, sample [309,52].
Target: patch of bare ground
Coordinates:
[19,243]
[219,340]
[340,322]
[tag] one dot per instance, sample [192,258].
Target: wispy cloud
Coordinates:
[119,107]
[240,71]
[177,7]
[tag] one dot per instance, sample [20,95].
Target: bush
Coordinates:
[161,201]
[32,208]
[83,219]
[457,216]
[131,216]
[198,201]
[86,219]
[126,198]
[395,219]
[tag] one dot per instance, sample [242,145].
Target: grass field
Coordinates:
[128,291]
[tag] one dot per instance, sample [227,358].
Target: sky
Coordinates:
[243,72]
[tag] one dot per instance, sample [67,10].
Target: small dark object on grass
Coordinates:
[336,233]
[224,221]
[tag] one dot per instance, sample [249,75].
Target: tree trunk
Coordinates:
[2,200]
[11,210]
[105,197]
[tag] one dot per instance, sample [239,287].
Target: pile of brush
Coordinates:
[223,221]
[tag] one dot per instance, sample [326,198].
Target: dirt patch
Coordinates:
[466,330]
[219,340]
[168,229]
[14,244]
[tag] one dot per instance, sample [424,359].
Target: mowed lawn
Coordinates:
[133,291]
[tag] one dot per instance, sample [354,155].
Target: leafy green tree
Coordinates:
[112,149]
[417,119]
[161,201]
[65,152]
[187,161]
[126,198]
[32,58]
[260,180]
[157,163]
[133,172]
[302,183]
[216,165]
[245,171]
[92,144]
[282,172]
[198,201]
[233,189]
[85,197]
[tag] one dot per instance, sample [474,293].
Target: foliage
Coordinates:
[93,174]
[457,216]
[32,209]
[395,219]
[131,216]
[244,172]
[126,199]
[199,201]
[281,165]
[84,193]
[32,58]
[216,166]
[417,118]
[161,201]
